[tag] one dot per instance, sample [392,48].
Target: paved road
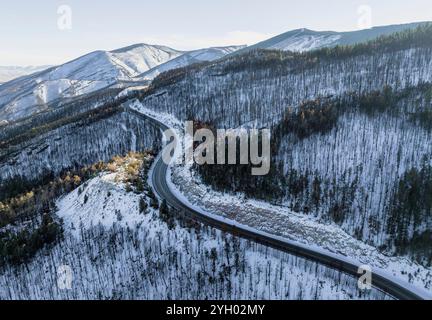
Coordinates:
[379,281]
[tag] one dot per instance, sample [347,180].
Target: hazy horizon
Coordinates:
[41,34]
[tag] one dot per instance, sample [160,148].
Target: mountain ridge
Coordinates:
[92,72]
[304,39]
[191,57]
[141,63]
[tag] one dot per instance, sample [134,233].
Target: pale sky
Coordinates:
[30,34]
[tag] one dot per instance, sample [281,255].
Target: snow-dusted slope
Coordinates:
[80,143]
[278,220]
[121,64]
[362,158]
[9,73]
[302,40]
[141,58]
[306,40]
[189,58]
[94,71]
[111,250]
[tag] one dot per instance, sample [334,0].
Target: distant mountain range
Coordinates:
[140,63]
[10,73]
[94,71]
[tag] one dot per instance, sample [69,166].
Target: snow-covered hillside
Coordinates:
[189,58]
[306,40]
[25,96]
[302,40]
[112,249]
[97,70]
[262,96]
[282,220]
[140,58]
[77,144]
[350,173]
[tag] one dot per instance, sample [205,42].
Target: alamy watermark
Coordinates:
[220,147]
[365,279]
[364,17]
[64,20]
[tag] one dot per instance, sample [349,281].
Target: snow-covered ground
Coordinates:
[112,251]
[283,222]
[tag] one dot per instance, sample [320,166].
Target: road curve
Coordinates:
[161,187]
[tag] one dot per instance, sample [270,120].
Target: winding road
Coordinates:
[380,280]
